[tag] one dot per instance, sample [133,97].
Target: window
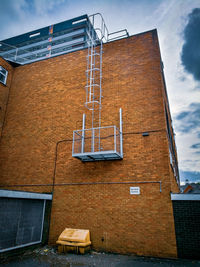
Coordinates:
[3,75]
[172,154]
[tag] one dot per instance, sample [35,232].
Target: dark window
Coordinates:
[3,75]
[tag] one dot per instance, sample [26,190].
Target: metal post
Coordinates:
[73,143]
[115,143]
[120,129]
[16,51]
[83,135]
[92,139]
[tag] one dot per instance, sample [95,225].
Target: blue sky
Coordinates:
[178,25]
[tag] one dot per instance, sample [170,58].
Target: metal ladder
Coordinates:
[96,36]
[97,142]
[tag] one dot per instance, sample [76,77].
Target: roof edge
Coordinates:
[23,194]
[179,197]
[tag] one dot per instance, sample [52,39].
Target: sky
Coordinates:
[178,25]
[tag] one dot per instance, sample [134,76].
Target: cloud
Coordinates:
[42,7]
[191,176]
[182,115]
[18,17]
[190,54]
[189,120]
[195,146]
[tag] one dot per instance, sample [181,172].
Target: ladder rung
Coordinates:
[92,85]
[95,54]
[96,76]
[91,102]
[92,69]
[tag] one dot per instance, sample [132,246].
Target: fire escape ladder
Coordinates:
[96,143]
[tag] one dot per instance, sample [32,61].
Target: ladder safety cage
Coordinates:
[96,143]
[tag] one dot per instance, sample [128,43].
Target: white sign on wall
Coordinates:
[135,190]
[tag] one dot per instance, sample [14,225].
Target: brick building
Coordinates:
[124,203]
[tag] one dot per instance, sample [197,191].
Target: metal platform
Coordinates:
[51,41]
[97,156]
[100,143]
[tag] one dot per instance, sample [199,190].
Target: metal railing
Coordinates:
[46,43]
[37,46]
[95,140]
[99,26]
[124,34]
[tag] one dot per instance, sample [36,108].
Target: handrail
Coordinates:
[44,42]
[123,35]
[101,18]
[103,29]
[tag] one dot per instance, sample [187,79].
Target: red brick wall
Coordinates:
[46,104]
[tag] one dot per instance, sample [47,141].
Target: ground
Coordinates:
[48,257]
